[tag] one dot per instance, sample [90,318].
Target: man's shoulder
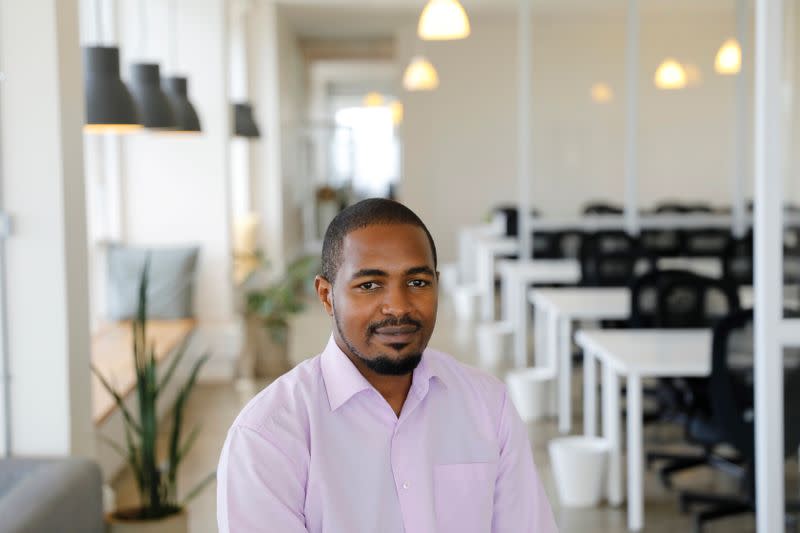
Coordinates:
[286,398]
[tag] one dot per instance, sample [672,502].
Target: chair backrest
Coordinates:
[737,259]
[706,242]
[511,214]
[680,299]
[569,243]
[545,245]
[671,207]
[608,259]
[602,208]
[731,388]
[662,243]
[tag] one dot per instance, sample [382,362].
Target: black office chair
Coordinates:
[706,242]
[662,242]
[737,260]
[731,420]
[568,243]
[511,216]
[608,259]
[679,299]
[602,208]
[545,245]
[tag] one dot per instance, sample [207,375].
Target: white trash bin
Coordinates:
[493,340]
[579,468]
[465,301]
[528,389]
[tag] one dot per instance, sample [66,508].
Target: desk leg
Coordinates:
[485,275]
[611,433]
[541,335]
[589,394]
[521,323]
[563,357]
[635,455]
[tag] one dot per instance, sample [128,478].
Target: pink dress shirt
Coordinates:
[320,450]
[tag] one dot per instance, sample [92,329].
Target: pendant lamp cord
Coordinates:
[173,36]
[98,21]
[143,29]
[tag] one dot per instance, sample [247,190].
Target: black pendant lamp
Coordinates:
[243,123]
[187,121]
[153,104]
[109,106]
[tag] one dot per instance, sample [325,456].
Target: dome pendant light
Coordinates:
[243,123]
[670,75]
[109,106]
[420,75]
[153,104]
[186,119]
[443,20]
[729,58]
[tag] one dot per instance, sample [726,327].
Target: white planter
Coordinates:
[493,343]
[177,523]
[529,389]
[579,468]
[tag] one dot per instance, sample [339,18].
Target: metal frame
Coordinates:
[772,331]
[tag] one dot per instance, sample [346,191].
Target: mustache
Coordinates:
[393,322]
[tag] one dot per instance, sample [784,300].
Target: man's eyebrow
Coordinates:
[369,272]
[419,270]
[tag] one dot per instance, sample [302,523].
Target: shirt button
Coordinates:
[406,485]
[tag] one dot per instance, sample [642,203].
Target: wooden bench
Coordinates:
[112,355]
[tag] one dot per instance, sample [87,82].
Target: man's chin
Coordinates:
[393,365]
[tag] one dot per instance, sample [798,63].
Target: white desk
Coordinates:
[634,354]
[516,276]
[487,249]
[556,309]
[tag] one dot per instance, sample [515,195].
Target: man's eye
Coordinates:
[368,286]
[419,283]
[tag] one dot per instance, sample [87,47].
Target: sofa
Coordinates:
[48,495]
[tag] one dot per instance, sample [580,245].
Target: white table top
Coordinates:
[651,352]
[585,303]
[541,270]
[705,266]
[498,243]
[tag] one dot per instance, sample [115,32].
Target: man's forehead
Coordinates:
[390,244]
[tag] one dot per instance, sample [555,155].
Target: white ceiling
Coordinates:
[373,18]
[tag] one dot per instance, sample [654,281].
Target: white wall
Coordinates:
[42,111]
[293,87]
[460,141]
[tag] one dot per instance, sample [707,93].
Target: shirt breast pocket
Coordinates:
[464,496]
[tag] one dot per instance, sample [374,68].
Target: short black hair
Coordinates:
[373,211]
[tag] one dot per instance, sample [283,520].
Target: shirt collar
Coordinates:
[343,380]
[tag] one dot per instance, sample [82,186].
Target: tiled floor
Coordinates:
[216,406]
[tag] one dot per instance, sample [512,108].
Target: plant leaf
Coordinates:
[117,399]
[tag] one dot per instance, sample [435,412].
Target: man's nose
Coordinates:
[397,302]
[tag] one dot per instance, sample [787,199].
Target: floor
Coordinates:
[215,406]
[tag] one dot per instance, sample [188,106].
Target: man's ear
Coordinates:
[324,290]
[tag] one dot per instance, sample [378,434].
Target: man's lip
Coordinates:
[396,330]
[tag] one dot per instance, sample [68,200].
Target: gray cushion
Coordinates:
[170,287]
[51,495]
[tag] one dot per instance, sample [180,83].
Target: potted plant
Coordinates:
[159,509]
[267,311]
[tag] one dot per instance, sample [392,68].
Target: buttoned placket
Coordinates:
[404,468]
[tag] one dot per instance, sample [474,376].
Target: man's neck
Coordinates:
[394,389]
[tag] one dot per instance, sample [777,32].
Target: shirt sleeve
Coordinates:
[260,487]
[520,503]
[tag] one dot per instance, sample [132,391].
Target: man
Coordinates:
[380,434]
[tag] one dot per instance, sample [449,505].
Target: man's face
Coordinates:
[384,297]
